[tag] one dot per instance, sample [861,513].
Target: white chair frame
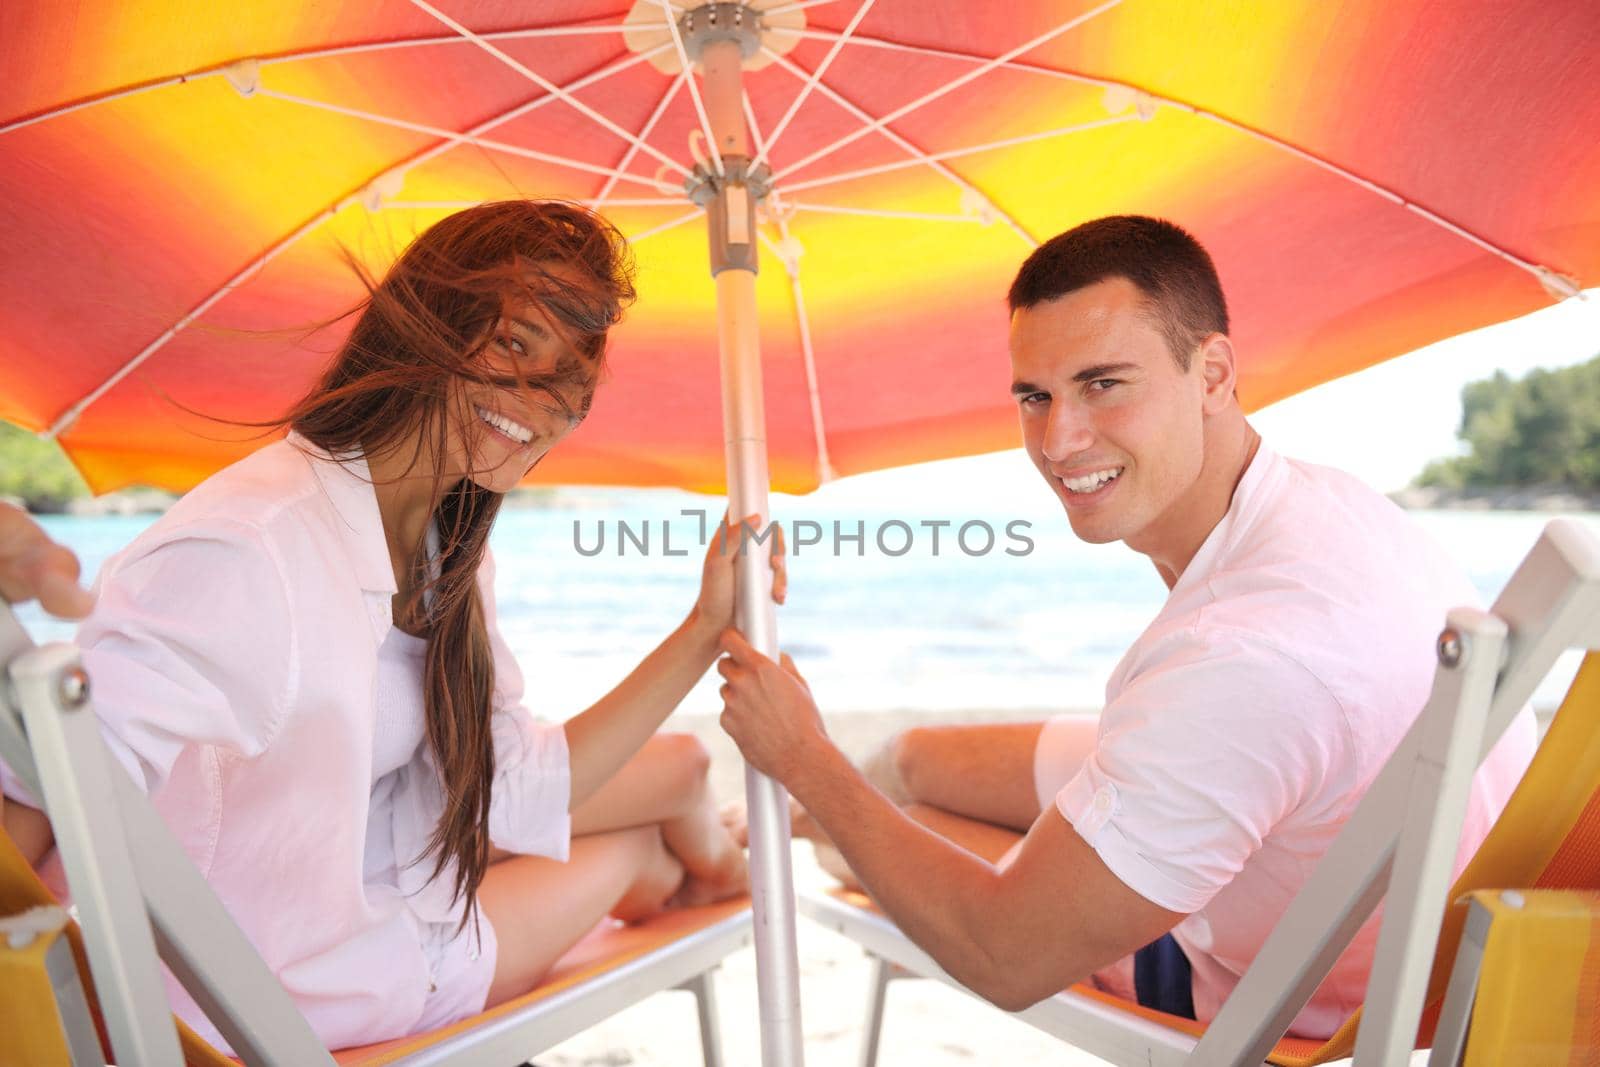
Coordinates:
[140,902]
[1489,665]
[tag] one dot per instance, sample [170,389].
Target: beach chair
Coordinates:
[139,899]
[1401,841]
[1531,961]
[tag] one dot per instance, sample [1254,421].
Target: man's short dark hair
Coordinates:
[1162,260]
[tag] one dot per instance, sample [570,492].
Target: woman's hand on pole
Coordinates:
[713,611]
[32,565]
[605,736]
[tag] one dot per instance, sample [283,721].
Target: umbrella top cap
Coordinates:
[757,31]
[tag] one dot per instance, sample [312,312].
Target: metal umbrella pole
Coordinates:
[720,36]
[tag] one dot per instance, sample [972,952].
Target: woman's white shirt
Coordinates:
[234,655]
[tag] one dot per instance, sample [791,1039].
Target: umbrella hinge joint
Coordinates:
[730,201]
[1559,286]
[704,185]
[709,23]
[244,76]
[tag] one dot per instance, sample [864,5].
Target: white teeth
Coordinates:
[515,431]
[1090,482]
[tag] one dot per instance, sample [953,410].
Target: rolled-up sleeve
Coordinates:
[532,792]
[189,643]
[1197,761]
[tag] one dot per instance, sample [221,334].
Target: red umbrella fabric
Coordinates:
[175,180]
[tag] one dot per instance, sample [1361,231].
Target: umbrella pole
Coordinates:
[730,195]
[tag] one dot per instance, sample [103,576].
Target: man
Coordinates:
[1240,730]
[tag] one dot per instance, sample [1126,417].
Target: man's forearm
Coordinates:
[943,897]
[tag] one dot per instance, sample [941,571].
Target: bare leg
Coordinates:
[982,772]
[665,785]
[540,908]
[28,828]
[973,784]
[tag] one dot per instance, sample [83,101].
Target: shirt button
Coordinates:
[473,955]
[1102,801]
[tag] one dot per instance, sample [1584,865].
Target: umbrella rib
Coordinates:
[289,57]
[798,5]
[944,53]
[918,154]
[791,265]
[71,414]
[825,471]
[948,87]
[635,238]
[1559,286]
[572,29]
[105,98]
[813,80]
[460,138]
[644,133]
[457,205]
[957,153]
[694,90]
[546,84]
[750,121]
[880,213]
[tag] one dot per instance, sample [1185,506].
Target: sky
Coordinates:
[1382,424]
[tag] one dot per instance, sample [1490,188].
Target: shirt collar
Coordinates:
[347,485]
[1242,511]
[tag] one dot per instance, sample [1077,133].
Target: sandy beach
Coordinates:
[926,1025]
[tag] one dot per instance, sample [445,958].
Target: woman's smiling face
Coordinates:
[536,384]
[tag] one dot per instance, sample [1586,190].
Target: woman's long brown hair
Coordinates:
[422,332]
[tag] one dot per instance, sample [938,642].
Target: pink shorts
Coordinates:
[460,968]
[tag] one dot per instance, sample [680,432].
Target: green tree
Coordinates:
[36,471]
[1543,429]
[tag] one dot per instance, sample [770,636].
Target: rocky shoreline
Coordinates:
[1541,498]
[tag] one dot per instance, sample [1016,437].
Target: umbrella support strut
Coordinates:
[730,199]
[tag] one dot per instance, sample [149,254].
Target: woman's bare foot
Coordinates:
[801,826]
[731,878]
[659,878]
[736,821]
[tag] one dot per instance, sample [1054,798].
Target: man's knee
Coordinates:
[982,771]
[887,766]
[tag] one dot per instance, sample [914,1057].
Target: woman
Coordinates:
[301,664]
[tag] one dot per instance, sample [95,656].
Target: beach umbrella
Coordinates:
[177,179]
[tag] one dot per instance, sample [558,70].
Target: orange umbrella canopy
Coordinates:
[176,180]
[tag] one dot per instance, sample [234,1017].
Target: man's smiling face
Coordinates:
[1109,418]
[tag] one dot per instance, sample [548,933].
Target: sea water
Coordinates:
[1034,624]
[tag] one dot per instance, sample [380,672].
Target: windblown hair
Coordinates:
[420,334]
[1169,267]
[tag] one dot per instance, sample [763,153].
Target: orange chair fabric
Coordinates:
[610,945]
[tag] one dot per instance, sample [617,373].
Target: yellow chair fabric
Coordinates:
[29,1016]
[1538,1001]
